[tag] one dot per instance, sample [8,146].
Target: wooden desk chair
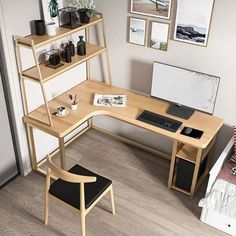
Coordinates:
[78,188]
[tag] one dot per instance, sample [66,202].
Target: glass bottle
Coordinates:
[67,53]
[81,46]
[72,48]
[62,51]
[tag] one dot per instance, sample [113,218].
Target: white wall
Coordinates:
[15,18]
[8,167]
[131,65]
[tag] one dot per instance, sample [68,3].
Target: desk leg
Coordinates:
[172,164]
[196,170]
[90,123]
[62,153]
[30,134]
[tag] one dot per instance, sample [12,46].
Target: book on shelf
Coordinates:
[110,100]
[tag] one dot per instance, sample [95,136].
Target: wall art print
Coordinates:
[153,8]
[159,36]
[193,21]
[137,31]
[50,8]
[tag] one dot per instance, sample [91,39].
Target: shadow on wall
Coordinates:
[223,137]
[141,76]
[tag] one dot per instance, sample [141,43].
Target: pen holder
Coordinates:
[74,106]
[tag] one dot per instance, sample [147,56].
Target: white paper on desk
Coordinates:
[110,100]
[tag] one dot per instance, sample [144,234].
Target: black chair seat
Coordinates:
[70,192]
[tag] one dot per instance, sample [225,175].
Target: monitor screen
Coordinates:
[186,87]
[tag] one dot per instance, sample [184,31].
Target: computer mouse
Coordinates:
[188,130]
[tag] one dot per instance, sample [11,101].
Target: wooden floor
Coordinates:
[144,204]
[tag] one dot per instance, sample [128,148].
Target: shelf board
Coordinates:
[61,32]
[188,153]
[180,190]
[49,73]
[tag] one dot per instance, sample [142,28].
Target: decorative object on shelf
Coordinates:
[62,50]
[81,46]
[86,9]
[159,36]
[73,101]
[61,111]
[154,8]
[193,21]
[53,7]
[68,17]
[67,53]
[72,48]
[50,10]
[39,27]
[137,31]
[51,28]
[53,59]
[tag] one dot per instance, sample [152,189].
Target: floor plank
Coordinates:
[144,204]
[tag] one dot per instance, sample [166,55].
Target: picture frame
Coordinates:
[137,31]
[159,35]
[193,20]
[48,18]
[152,8]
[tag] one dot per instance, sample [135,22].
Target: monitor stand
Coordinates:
[180,111]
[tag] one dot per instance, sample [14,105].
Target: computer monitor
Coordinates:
[184,89]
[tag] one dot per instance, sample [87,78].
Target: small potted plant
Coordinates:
[86,9]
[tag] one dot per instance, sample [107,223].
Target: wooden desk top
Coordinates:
[136,103]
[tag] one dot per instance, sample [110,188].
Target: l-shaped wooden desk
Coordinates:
[194,151]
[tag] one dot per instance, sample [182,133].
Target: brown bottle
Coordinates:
[67,53]
[72,48]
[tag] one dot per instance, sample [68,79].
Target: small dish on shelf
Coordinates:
[66,114]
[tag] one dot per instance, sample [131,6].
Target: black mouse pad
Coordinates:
[195,133]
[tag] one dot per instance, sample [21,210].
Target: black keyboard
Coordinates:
[160,121]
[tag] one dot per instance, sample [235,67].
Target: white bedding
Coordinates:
[222,198]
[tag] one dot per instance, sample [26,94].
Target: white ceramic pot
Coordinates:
[51,28]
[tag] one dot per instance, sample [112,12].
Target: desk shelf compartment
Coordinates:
[184,169]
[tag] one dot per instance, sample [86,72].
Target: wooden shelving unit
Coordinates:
[40,73]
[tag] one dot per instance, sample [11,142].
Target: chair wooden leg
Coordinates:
[82,223]
[46,209]
[112,201]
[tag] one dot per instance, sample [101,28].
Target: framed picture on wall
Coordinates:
[137,31]
[153,8]
[193,20]
[50,8]
[159,36]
